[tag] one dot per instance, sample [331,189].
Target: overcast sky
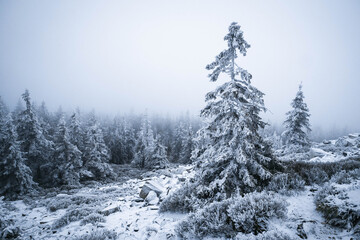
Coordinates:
[118,56]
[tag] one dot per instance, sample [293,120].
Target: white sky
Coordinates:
[118,56]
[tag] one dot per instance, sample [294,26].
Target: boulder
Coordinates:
[151,186]
[152,198]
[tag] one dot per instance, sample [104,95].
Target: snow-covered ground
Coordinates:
[118,208]
[124,212]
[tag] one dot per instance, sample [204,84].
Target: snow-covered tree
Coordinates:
[149,152]
[120,139]
[76,133]
[187,145]
[15,175]
[97,154]
[67,157]
[235,157]
[297,123]
[158,158]
[177,142]
[38,150]
[3,114]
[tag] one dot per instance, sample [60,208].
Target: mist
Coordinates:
[121,57]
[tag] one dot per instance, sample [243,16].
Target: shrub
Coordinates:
[93,218]
[346,177]
[248,214]
[270,235]
[72,216]
[285,183]
[338,211]
[251,213]
[101,234]
[319,173]
[212,220]
[182,200]
[64,202]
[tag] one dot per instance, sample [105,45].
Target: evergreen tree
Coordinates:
[149,152]
[45,120]
[37,148]
[3,114]
[97,154]
[144,144]
[187,145]
[177,142]
[67,157]
[76,133]
[15,176]
[158,157]
[297,123]
[235,157]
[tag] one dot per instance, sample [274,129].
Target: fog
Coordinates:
[122,56]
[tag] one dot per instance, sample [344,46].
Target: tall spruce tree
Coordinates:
[37,148]
[67,157]
[297,122]
[15,175]
[235,158]
[149,152]
[97,154]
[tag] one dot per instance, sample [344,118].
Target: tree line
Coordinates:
[43,149]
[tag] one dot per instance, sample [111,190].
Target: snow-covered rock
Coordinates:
[151,186]
[152,198]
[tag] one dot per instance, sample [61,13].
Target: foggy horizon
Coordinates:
[117,57]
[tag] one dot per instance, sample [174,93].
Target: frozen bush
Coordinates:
[319,173]
[72,216]
[101,234]
[251,213]
[270,235]
[182,200]
[64,202]
[212,220]
[93,218]
[346,177]
[333,202]
[248,214]
[285,183]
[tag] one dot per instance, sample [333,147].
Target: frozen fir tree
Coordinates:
[144,144]
[67,160]
[45,120]
[121,140]
[38,150]
[235,158]
[187,145]
[149,152]
[3,114]
[15,175]
[158,158]
[177,142]
[76,133]
[97,154]
[297,123]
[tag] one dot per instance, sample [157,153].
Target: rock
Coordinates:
[343,142]
[182,179]
[86,175]
[151,186]
[326,142]
[317,152]
[138,200]
[154,208]
[43,222]
[110,210]
[152,198]
[301,232]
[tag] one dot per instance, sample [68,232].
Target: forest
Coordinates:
[225,175]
